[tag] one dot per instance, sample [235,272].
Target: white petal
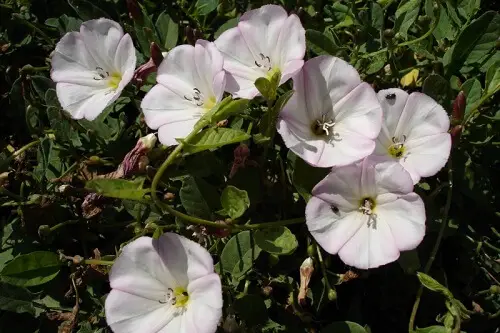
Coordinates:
[332,230]
[178,71]
[291,44]
[185,255]
[393,102]
[162,106]
[125,60]
[427,155]
[406,219]
[140,270]
[209,64]
[84,101]
[206,290]
[391,177]
[176,130]
[128,313]
[341,187]
[102,37]
[290,69]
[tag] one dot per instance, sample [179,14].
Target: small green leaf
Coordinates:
[263,85]
[118,188]
[198,197]
[214,137]
[429,282]
[204,7]
[31,269]
[232,108]
[234,201]
[473,92]
[493,78]
[16,299]
[319,43]
[268,87]
[278,240]
[239,254]
[343,327]
[406,14]
[168,31]
[267,125]
[434,329]
[376,63]
[377,15]
[252,309]
[86,10]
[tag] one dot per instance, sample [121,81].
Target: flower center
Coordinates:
[178,297]
[113,79]
[397,148]
[325,128]
[263,62]
[367,207]
[198,99]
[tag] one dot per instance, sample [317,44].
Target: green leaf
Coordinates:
[376,63]
[86,10]
[434,329]
[50,165]
[343,327]
[267,125]
[64,23]
[263,85]
[431,284]
[16,299]
[234,201]
[406,14]
[204,7]
[31,269]
[409,261]
[252,309]
[475,41]
[445,27]
[168,31]
[214,137]
[278,240]
[468,8]
[319,43]
[473,91]
[438,88]
[231,108]
[226,26]
[118,188]
[238,255]
[493,78]
[305,176]
[377,15]
[198,197]
[41,84]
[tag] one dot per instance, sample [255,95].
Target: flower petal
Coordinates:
[140,271]
[162,106]
[206,290]
[84,101]
[125,60]
[332,230]
[128,313]
[393,102]
[341,187]
[178,71]
[102,37]
[175,130]
[209,64]
[406,219]
[200,318]
[427,155]
[291,44]
[391,177]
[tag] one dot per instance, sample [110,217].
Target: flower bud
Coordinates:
[134,11]
[169,196]
[455,133]
[189,35]
[311,250]
[148,141]
[43,231]
[306,271]
[332,294]
[143,71]
[4,178]
[459,106]
[134,160]
[388,33]
[495,290]
[156,54]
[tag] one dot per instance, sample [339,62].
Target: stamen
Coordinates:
[397,148]
[367,206]
[324,127]
[264,62]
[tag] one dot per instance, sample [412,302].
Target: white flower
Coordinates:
[265,41]
[414,132]
[366,212]
[332,118]
[191,81]
[162,286]
[91,67]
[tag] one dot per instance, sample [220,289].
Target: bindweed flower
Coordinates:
[333,118]
[265,41]
[414,132]
[164,285]
[366,213]
[306,271]
[92,67]
[191,81]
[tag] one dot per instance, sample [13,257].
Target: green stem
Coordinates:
[97,262]
[323,268]
[62,224]
[444,223]
[10,194]
[24,148]
[410,42]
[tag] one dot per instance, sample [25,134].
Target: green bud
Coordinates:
[311,250]
[43,231]
[273,259]
[389,33]
[332,294]
[495,290]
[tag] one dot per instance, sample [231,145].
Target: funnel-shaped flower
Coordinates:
[91,67]
[265,41]
[332,118]
[414,132]
[191,81]
[366,212]
[164,285]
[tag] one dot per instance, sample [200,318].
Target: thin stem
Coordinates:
[62,224]
[444,223]
[10,194]
[410,42]
[24,148]
[97,262]
[323,268]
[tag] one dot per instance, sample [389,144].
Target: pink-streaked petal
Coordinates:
[177,130]
[209,64]
[84,101]
[370,246]
[128,313]
[290,69]
[296,109]
[291,44]
[340,188]
[391,176]
[206,290]
[162,106]
[200,318]
[102,37]
[332,230]
[125,58]
[393,102]
[234,48]
[406,219]
[140,271]
[178,71]
[427,155]
[219,85]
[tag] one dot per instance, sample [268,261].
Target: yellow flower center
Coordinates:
[181,297]
[396,150]
[209,103]
[114,80]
